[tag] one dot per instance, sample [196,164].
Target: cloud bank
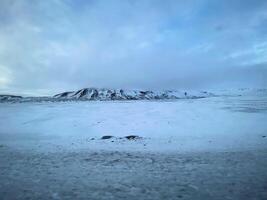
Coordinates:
[58,45]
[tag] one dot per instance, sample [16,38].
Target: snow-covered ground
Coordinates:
[210,148]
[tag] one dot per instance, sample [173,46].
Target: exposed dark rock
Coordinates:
[105,137]
[133,137]
[143,92]
[113,96]
[64,94]
[84,92]
[94,95]
[77,92]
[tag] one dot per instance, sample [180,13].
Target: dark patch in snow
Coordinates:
[106,137]
[84,93]
[76,93]
[133,137]
[64,94]
[128,137]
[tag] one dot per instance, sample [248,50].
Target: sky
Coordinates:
[53,46]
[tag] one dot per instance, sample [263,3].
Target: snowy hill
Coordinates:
[120,94]
[104,94]
[5,97]
[240,92]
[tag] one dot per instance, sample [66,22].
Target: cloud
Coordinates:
[49,46]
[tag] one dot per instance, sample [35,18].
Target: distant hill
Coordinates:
[120,94]
[6,97]
[104,94]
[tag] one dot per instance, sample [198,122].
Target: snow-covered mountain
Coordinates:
[104,94]
[120,94]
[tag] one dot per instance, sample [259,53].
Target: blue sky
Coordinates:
[57,45]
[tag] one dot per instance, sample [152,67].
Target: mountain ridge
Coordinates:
[105,94]
[122,94]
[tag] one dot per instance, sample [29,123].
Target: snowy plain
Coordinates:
[209,148]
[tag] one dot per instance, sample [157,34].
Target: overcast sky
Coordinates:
[49,46]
